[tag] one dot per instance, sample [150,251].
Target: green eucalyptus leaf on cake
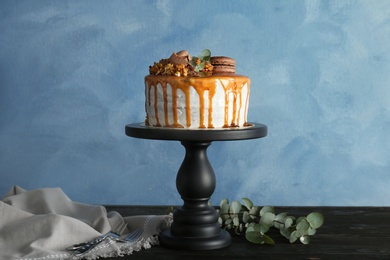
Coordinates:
[199,62]
[206,55]
[199,67]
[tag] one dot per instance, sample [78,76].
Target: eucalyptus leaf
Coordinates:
[289,222]
[286,232]
[254,212]
[266,209]
[224,201]
[280,219]
[303,227]
[235,207]
[293,237]
[257,227]
[224,212]
[199,67]
[297,233]
[315,219]
[300,219]
[263,228]
[245,217]
[241,228]
[224,209]
[236,221]
[268,240]
[255,237]
[311,231]
[305,240]
[206,54]
[251,227]
[268,218]
[278,225]
[248,203]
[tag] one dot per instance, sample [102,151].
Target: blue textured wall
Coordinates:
[71,78]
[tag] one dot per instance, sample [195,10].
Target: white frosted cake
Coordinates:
[196,93]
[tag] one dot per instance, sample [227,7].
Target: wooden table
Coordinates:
[348,233]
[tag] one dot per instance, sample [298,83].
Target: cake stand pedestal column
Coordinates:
[195,224]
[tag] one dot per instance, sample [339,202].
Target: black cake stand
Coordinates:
[195,224]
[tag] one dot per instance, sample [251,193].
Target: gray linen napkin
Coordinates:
[41,224]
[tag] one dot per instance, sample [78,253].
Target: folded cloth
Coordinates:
[41,224]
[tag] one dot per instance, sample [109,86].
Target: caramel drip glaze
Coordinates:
[231,85]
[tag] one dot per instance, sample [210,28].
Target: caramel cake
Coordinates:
[196,92]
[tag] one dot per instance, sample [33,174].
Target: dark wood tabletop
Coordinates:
[347,233]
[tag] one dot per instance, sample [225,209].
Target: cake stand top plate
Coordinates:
[139,130]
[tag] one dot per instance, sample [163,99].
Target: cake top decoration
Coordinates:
[182,64]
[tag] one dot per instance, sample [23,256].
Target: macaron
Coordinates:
[223,65]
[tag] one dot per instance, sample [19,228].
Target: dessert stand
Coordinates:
[195,224]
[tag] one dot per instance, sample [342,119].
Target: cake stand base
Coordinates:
[194,243]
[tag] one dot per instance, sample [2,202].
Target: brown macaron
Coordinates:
[223,65]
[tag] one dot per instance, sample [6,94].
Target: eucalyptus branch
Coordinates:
[255,222]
